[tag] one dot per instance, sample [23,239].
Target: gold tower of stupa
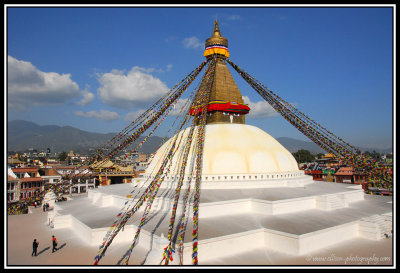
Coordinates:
[226,104]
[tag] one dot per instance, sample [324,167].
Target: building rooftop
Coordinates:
[50,172]
[25,170]
[345,171]
[11,178]
[31,179]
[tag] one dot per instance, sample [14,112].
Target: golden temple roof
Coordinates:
[224,88]
[216,37]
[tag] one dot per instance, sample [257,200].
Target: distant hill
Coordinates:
[23,135]
[293,145]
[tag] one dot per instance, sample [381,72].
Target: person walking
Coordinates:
[35,246]
[44,207]
[54,241]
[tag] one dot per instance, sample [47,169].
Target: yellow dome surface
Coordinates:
[231,149]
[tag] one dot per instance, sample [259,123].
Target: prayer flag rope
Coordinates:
[320,135]
[152,190]
[134,130]
[202,96]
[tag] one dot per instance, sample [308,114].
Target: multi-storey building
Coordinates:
[12,187]
[31,184]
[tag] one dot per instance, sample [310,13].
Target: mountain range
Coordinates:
[23,135]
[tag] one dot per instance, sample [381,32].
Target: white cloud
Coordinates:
[127,90]
[178,107]
[87,98]
[259,109]
[101,114]
[28,86]
[192,42]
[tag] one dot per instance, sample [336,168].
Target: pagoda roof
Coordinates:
[102,164]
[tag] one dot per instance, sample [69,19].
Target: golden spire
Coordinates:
[216,31]
[226,103]
[216,44]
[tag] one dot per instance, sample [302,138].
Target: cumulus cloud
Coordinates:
[100,114]
[87,98]
[28,86]
[178,107]
[259,109]
[192,42]
[129,89]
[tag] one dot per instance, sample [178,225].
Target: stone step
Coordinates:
[374,227]
[331,202]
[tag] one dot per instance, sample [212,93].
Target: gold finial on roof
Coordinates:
[216,43]
[216,31]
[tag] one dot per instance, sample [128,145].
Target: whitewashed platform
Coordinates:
[291,220]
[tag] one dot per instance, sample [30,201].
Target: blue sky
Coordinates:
[96,68]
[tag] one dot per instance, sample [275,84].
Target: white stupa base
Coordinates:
[243,181]
[294,221]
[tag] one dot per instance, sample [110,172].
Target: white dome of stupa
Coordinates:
[233,152]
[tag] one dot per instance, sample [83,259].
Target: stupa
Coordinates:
[236,155]
[253,195]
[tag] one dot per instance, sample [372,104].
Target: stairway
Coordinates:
[375,227]
[330,202]
[388,221]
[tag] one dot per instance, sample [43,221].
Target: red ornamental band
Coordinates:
[229,106]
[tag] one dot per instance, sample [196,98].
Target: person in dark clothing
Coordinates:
[54,241]
[35,246]
[44,207]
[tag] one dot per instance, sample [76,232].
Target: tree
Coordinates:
[62,156]
[374,155]
[303,156]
